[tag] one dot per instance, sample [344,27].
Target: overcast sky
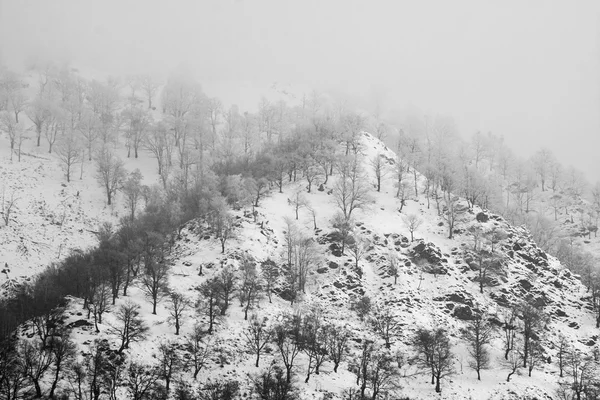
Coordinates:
[529,70]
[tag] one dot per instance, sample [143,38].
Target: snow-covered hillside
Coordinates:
[441,291]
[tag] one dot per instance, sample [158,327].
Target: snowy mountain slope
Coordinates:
[419,299]
[51,218]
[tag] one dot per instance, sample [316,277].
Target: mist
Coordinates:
[529,71]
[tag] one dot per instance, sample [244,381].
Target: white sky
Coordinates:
[529,70]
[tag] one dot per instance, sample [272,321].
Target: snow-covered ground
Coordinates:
[418,299]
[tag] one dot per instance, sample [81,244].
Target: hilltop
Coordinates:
[441,292]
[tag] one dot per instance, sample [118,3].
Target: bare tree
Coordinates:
[10,126]
[270,273]
[257,335]
[198,348]
[394,266]
[224,227]
[337,344]
[155,281]
[378,165]
[110,172]
[298,201]
[178,305]
[63,349]
[129,326]
[35,361]
[7,205]
[534,320]
[169,362]
[142,380]
[38,112]
[382,373]
[89,126]
[582,370]
[314,342]
[210,303]
[413,222]
[351,191]
[563,349]
[132,189]
[69,152]
[513,362]
[509,326]
[287,338]
[343,227]
[384,323]
[149,86]
[98,303]
[359,247]
[250,286]
[227,284]
[479,334]
[435,354]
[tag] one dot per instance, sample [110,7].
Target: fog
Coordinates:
[528,70]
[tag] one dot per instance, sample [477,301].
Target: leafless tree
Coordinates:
[250,286]
[344,227]
[7,205]
[351,191]
[394,265]
[142,380]
[132,189]
[69,152]
[510,323]
[378,165]
[35,361]
[287,338]
[314,342]
[209,302]
[98,303]
[359,247]
[154,281]
[534,320]
[298,201]
[110,172]
[227,286]
[89,126]
[563,348]
[384,323]
[382,373]
[199,348]
[257,335]
[479,334]
[513,362]
[10,126]
[149,86]
[129,326]
[178,305]
[270,273]
[169,362]
[337,344]
[435,354]
[413,222]
[64,350]
[224,227]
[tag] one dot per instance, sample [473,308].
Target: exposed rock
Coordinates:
[463,313]
[482,217]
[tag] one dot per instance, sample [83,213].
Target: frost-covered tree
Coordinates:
[110,172]
[69,152]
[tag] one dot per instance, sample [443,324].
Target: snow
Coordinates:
[43,200]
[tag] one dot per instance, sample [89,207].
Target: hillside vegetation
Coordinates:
[161,246]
